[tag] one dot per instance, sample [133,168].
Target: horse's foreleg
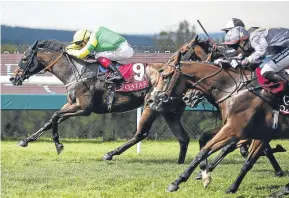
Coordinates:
[174,122]
[283,191]
[221,139]
[38,133]
[269,154]
[71,111]
[147,118]
[204,138]
[206,178]
[255,150]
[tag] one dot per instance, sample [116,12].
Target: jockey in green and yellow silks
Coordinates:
[107,45]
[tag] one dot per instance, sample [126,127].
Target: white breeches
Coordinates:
[122,53]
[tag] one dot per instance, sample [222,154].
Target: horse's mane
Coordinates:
[57,46]
[51,44]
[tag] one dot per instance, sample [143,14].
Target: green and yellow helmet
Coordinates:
[81,35]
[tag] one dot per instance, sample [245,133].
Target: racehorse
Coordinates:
[81,82]
[87,92]
[202,50]
[245,107]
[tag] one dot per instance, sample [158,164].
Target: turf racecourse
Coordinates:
[37,171]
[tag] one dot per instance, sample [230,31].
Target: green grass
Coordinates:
[37,171]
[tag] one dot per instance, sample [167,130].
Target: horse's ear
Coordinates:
[196,39]
[33,46]
[179,58]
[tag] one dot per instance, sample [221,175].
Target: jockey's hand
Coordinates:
[245,62]
[213,47]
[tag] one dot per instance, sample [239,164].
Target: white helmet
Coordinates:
[235,35]
[234,22]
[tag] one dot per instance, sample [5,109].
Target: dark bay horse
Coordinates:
[246,114]
[49,54]
[86,94]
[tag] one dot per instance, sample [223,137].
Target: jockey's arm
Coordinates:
[87,49]
[260,45]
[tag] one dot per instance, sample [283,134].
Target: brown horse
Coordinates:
[87,93]
[246,111]
[200,50]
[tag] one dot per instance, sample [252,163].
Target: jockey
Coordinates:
[229,52]
[269,41]
[107,45]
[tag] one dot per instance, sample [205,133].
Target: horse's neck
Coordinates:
[152,72]
[73,70]
[218,85]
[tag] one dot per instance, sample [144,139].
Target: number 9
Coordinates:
[138,68]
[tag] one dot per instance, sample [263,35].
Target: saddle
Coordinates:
[134,75]
[278,89]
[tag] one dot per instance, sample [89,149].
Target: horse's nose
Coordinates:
[12,79]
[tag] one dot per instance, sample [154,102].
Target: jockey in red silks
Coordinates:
[107,45]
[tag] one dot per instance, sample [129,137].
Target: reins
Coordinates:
[48,68]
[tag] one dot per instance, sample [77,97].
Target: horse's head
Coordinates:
[194,50]
[189,84]
[27,66]
[159,98]
[33,61]
[163,96]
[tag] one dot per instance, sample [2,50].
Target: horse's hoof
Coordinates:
[280,148]
[199,176]
[23,143]
[172,188]
[231,190]
[279,173]
[59,148]
[107,157]
[181,161]
[206,181]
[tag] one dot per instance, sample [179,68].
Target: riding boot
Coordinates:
[117,76]
[107,63]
